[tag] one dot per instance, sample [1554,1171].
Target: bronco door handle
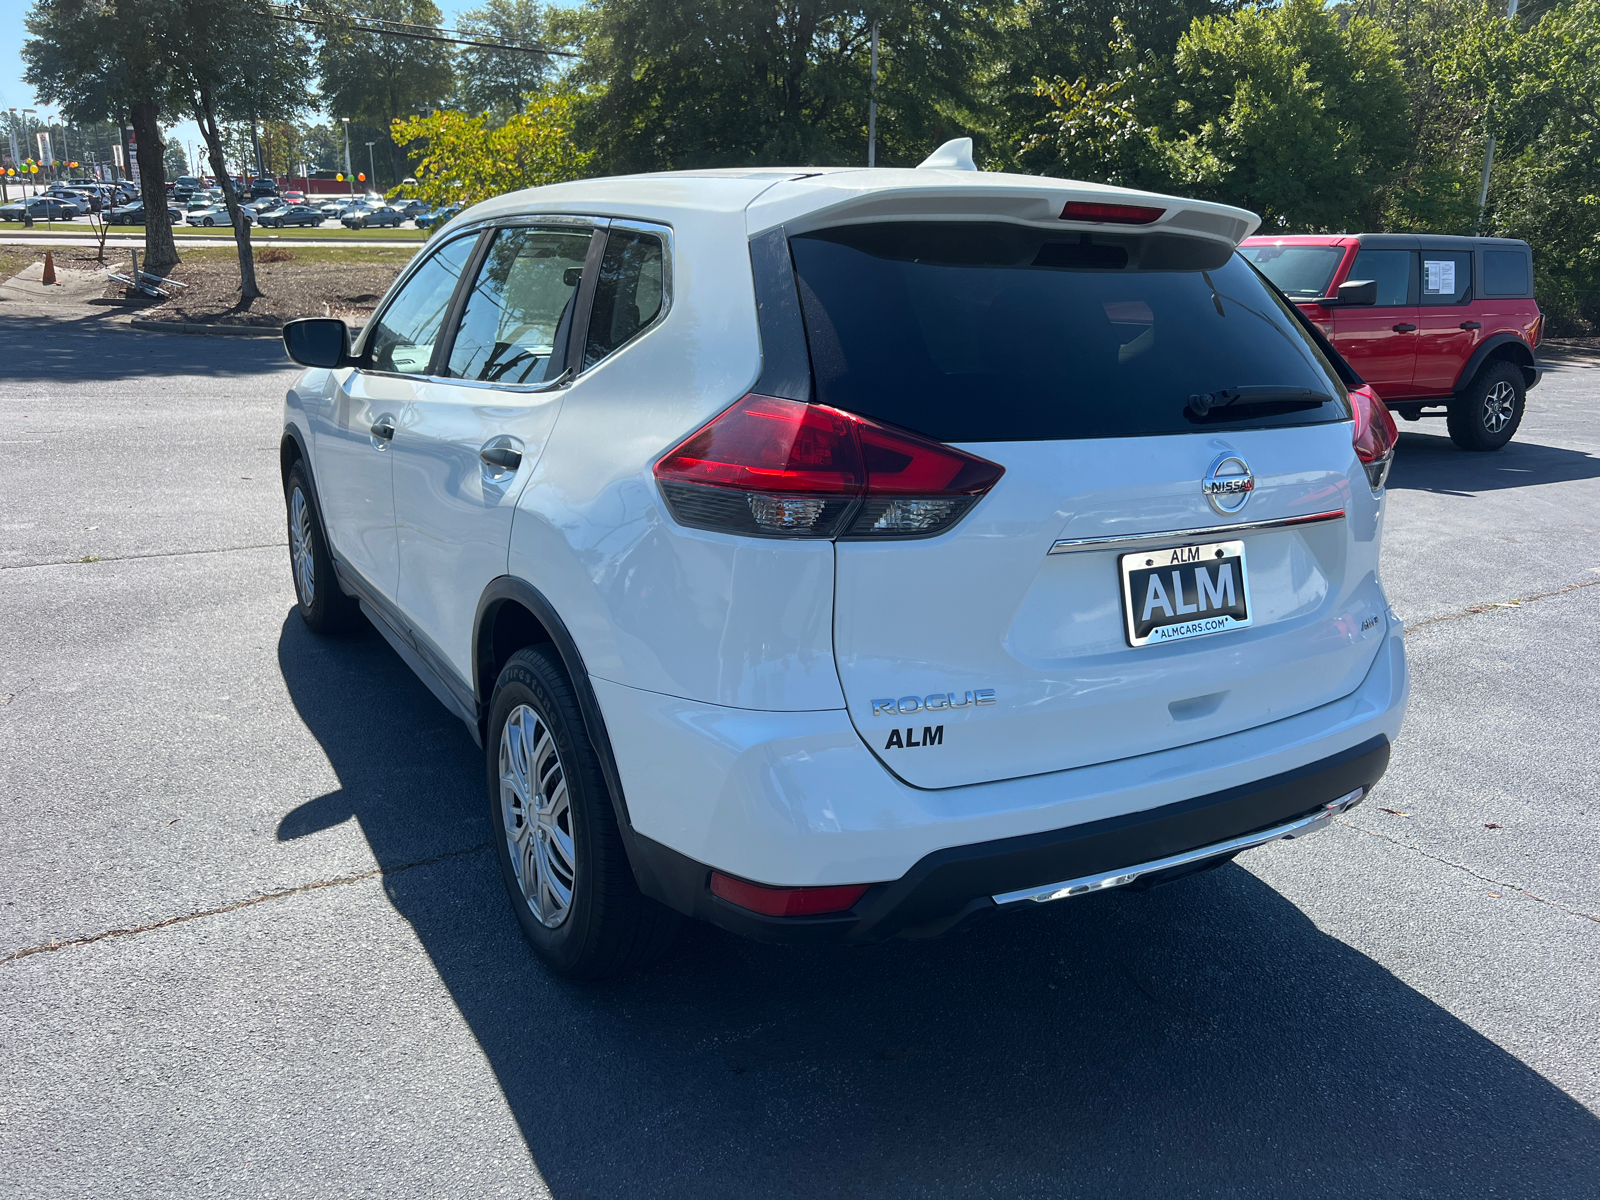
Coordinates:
[1472,324]
[382,431]
[500,456]
[1402,328]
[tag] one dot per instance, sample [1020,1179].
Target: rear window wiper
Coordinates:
[1256,396]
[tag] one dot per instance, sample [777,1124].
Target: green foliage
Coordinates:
[495,81]
[464,161]
[668,84]
[1282,110]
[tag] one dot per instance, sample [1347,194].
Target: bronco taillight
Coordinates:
[783,468]
[1374,435]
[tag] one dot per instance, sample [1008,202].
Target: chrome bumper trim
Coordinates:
[1126,875]
[1134,540]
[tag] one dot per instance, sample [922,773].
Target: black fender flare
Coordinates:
[1489,347]
[508,588]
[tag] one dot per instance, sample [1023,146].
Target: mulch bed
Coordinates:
[293,288]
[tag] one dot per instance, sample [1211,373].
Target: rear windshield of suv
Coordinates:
[988,332]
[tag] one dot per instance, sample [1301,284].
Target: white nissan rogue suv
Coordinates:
[838,554]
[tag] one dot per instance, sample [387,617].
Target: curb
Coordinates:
[218,330]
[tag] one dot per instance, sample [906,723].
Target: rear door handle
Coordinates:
[1472,324]
[500,456]
[1402,328]
[383,431]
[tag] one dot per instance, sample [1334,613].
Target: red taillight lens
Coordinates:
[1375,434]
[782,468]
[1114,214]
[786,902]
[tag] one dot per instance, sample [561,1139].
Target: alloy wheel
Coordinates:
[305,567]
[1499,406]
[536,816]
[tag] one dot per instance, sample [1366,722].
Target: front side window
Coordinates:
[990,332]
[1301,272]
[404,336]
[1390,269]
[1446,276]
[628,294]
[518,319]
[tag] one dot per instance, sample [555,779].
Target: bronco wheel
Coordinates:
[556,836]
[322,605]
[1488,412]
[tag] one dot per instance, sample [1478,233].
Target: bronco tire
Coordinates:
[1486,414]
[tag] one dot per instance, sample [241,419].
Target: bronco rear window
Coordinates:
[989,332]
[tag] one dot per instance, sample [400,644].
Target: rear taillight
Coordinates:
[1374,435]
[782,468]
[1112,214]
[786,902]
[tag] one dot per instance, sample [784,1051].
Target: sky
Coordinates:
[14,93]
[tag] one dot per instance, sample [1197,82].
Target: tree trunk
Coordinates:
[160,251]
[206,118]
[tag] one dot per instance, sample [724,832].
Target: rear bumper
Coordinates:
[963,884]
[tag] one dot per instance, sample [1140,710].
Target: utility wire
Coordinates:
[404,29]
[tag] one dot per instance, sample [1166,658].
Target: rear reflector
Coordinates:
[1374,435]
[1113,214]
[786,902]
[782,468]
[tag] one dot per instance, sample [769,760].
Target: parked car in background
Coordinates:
[264,187]
[439,216]
[365,218]
[412,207]
[41,208]
[336,207]
[185,186]
[294,196]
[218,215]
[133,214]
[686,494]
[85,200]
[298,214]
[1438,326]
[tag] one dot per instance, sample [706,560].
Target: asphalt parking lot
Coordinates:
[253,941]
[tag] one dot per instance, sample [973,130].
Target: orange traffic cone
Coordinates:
[49,269]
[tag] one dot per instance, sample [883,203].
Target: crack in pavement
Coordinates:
[90,560]
[279,894]
[1511,887]
[1475,610]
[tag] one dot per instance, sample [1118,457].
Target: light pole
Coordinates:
[25,114]
[1488,150]
[349,175]
[872,104]
[372,171]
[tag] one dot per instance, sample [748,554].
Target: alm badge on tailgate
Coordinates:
[1184,591]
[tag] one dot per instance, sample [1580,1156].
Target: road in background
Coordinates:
[285,964]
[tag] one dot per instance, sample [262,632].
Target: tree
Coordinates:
[464,161]
[106,60]
[239,61]
[175,159]
[1281,110]
[381,78]
[672,83]
[495,81]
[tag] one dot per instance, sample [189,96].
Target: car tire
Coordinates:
[1488,412]
[209,223]
[555,830]
[323,607]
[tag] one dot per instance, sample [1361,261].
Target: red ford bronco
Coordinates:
[1439,326]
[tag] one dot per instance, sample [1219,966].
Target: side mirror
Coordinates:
[1352,292]
[318,342]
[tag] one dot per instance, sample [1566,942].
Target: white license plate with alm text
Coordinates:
[1184,591]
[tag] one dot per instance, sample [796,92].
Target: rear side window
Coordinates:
[1301,272]
[1446,276]
[628,293]
[1505,273]
[518,318]
[1390,270]
[404,336]
[989,332]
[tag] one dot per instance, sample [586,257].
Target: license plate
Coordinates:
[1184,592]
